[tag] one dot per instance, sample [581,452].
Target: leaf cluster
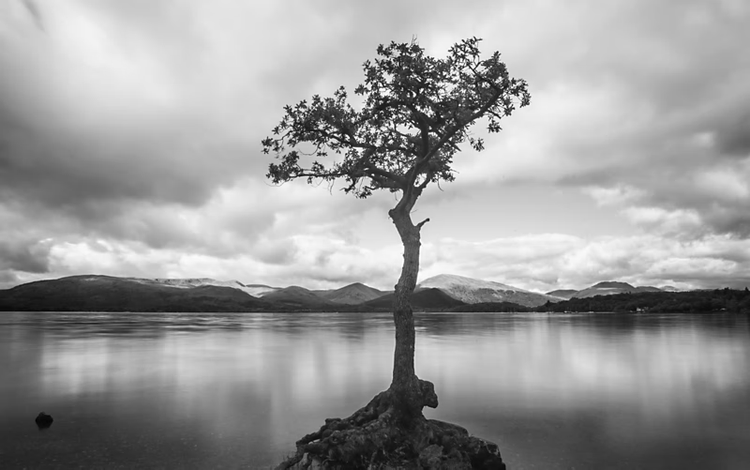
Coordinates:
[415,112]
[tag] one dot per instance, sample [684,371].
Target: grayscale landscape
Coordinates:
[374,235]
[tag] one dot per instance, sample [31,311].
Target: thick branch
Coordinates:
[398,180]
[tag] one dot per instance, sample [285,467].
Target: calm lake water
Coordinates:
[164,390]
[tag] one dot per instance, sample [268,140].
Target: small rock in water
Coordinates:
[43,420]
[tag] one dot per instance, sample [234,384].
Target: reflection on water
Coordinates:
[236,390]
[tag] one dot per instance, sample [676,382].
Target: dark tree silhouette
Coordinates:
[414,115]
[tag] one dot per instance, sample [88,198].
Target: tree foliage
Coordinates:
[415,112]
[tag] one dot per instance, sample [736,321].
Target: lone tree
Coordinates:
[415,113]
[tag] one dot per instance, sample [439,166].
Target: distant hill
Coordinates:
[473,291]
[670,289]
[421,299]
[259,289]
[188,283]
[648,289]
[439,293]
[563,293]
[297,297]
[352,294]
[611,288]
[114,294]
[253,289]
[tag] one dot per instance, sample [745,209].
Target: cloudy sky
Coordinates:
[130,143]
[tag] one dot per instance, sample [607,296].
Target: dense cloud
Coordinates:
[129,141]
[28,257]
[734,138]
[648,95]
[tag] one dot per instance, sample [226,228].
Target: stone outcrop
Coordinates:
[374,438]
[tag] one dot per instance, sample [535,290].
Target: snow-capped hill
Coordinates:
[612,288]
[453,280]
[189,283]
[563,293]
[473,291]
[196,282]
[259,290]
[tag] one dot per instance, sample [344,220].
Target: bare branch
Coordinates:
[419,225]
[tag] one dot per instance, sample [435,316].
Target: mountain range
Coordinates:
[605,288]
[442,292]
[474,291]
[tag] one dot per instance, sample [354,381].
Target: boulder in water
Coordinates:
[43,420]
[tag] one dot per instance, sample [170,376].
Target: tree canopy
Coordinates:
[415,112]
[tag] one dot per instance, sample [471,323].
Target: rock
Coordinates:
[43,420]
[485,454]
[429,397]
[376,436]
[430,457]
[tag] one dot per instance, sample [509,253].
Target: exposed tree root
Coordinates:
[375,437]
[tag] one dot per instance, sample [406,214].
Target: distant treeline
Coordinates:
[719,300]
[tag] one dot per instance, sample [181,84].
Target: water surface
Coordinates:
[186,390]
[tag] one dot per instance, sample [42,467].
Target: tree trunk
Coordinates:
[407,393]
[391,431]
